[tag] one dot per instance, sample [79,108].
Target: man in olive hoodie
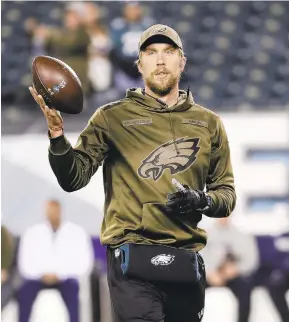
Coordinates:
[146,141]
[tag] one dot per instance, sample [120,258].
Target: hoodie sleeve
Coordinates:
[74,166]
[220,180]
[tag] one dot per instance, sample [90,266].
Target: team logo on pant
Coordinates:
[201,314]
[162,259]
[176,156]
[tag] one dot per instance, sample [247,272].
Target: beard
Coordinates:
[162,87]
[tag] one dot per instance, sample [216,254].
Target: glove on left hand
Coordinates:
[188,200]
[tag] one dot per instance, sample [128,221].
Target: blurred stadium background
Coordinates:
[237,66]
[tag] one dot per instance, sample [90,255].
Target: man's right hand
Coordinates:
[53,117]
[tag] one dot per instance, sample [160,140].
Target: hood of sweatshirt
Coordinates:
[185,101]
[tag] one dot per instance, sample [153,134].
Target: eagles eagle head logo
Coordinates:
[176,156]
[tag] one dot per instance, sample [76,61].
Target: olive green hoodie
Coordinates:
[143,144]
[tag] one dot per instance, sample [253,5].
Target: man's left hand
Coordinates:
[188,200]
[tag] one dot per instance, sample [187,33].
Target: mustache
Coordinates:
[163,70]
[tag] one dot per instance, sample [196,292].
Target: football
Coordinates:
[58,84]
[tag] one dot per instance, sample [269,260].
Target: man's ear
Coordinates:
[183,63]
[138,63]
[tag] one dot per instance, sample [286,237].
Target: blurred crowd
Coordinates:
[236,50]
[57,254]
[101,55]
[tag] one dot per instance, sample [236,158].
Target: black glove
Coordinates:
[189,200]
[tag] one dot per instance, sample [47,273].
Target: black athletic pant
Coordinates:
[242,289]
[137,301]
[277,285]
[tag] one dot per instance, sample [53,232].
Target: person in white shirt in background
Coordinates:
[231,258]
[54,254]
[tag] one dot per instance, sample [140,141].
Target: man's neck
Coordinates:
[170,99]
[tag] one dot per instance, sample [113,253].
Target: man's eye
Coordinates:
[150,53]
[169,52]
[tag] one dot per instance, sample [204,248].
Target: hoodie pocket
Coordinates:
[161,226]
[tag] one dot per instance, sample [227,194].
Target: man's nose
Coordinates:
[160,59]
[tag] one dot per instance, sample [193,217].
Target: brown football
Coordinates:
[58,84]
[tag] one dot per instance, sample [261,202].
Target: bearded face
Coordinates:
[162,81]
[161,66]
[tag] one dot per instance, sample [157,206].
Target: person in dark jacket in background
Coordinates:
[125,34]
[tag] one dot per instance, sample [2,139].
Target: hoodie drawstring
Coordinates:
[173,133]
